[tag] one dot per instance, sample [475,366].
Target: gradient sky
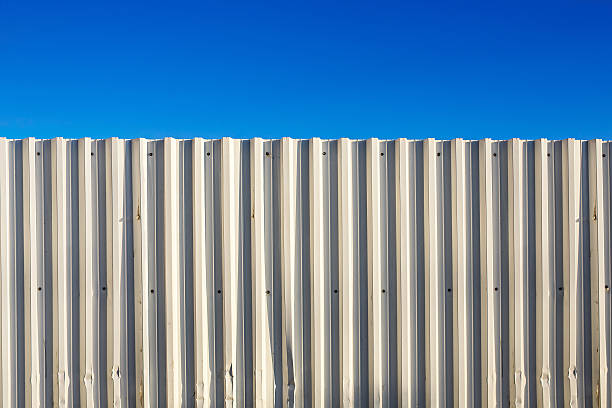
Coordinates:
[306,69]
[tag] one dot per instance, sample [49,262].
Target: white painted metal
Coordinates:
[408,332]
[266,388]
[490,272]
[34,280]
[8,274]
[572,274]
[547,346]
[377,276]
[141,276]
[438,368]
[62,276]
[519,289]
[463,277]
[89,278]
[599,217]
[305,273]
[204,292]
[321,269]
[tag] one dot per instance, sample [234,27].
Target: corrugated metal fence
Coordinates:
[305,273]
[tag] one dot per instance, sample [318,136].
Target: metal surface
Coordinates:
[305,273]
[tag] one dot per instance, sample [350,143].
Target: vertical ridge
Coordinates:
[462,279]
[490,279]
[174,275]
[348,272]
[141,292]
[62,282]
[117,268]
[519,332]
[203,289]
[434,276]
[406,271]
[572,304]
[545,277]
[10,373]
[377,279]
[599,199]
[144,280]
[34,273]
[89,279]
[232,331]
[291,270]
[321,285]
[264,317]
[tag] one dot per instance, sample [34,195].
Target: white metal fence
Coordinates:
[305,273]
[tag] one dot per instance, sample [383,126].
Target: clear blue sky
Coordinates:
[305,69]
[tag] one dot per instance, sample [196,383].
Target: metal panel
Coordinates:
[305,273]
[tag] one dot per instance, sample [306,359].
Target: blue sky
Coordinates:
[306,69]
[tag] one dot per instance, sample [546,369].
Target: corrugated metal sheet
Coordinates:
[305,273]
